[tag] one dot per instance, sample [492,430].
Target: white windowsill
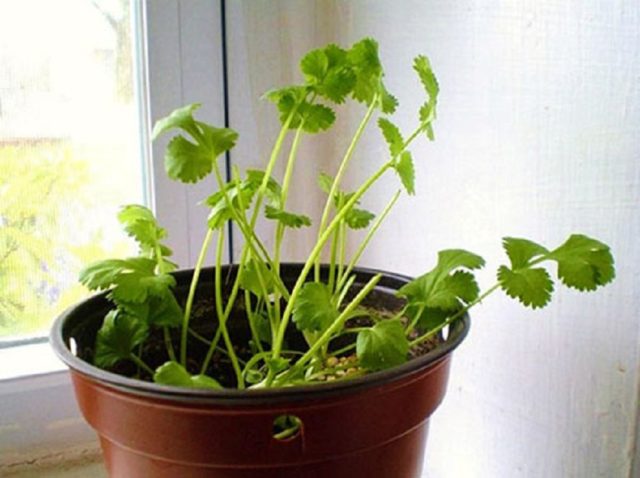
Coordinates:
[25,360]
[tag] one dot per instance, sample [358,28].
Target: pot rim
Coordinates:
[456,334]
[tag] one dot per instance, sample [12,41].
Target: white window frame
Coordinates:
[181,60]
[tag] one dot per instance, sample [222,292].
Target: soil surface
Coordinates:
[204,325]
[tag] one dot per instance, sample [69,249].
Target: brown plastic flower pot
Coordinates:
[374,426]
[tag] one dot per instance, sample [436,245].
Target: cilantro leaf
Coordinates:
[100,275]
[382,346]
[252,271]
[329,73]
[359,218]
[180,118]
[584,263]
[460,286]
[363,55]
[392,136]
[522,251]
[313,309]
[422,66]
[388,102]
[325,182]
[189,160]
[532,287]
[427,112]
[316,118]
[289,101]
[406,172]
[140,223]
[172,373]
[287,218]
[164,310]
[136,286]
[119,335]
[445,289]
[427,318]
[131,280]
[273,191]
[240,194]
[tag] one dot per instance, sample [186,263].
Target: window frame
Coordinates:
[180,55]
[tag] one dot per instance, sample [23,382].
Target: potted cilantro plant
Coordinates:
[272,369]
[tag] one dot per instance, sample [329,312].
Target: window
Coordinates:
[67,106]
[69,152]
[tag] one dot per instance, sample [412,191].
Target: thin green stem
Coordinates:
[363,245]
[333,252]
[337,324]
[140,363]
[342,245]
[251,317]
[454,317]
[270,165]
[168,344]
[415,320]
[315,252]
[341,170]
[286,181]
[220,311]
[190,297]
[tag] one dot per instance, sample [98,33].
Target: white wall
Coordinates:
[537,136]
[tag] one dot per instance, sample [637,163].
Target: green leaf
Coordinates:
[139,222]
[273,191]
[100,275]
[287,218]
[532,287]
[174,374]
[446,287]
[316,118]
[119,335]
[131,280]
[239,194]
[584,263]
[422,66]
[363,55]
[191,160]
[522,251]
[252,272]
[325,182]
[406,172]
[427,114]
[164,310]
[313,309]
[453,289]
[329,73]
[137,286]
[388,102]
[359,218]
[288,101]
[277,365]
[449,259]
[392,136]
[382,346]
[181,118]
[429,318]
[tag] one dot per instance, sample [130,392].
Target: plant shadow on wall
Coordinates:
[263,324]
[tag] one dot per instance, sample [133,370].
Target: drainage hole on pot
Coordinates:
[286,427]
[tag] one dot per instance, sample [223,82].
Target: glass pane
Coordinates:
[69,150]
